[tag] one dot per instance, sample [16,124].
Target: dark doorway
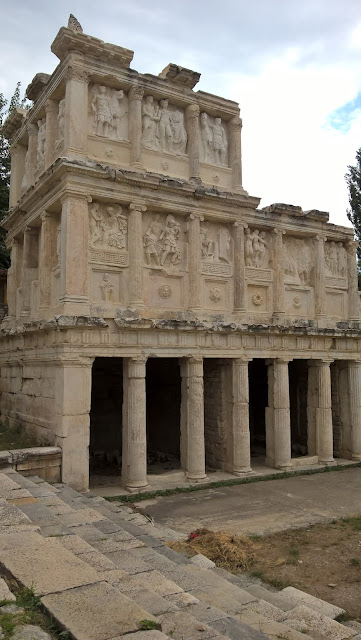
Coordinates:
[105,451]
[298,383]
[163,387]
[258,401]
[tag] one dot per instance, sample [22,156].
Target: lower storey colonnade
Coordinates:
[208,413]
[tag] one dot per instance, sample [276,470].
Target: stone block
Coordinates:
[97,561]
[220,599]
[110,546]
[154,581]
[127,562]
[83,516]
[10,516]
[182,599]
[298,597]
[271,628]
[5,458]
[184,627]
[154,603]
[47,566]
[237,630]
[302,617]
[265,609]
[270,596]
[145,635]
[30,632]
[95,612]
[75,544]
[201,561]
[5,593]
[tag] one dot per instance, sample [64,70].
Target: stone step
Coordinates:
[300,597]
[302,617]
[271,596]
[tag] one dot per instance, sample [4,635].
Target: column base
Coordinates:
[328,462]
[356,457]
[136,489]
[197,477]
[241,472]
[286,466]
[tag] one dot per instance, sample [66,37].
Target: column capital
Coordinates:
[29,230]
[279,360]
[240,223]
[78,73]
[136,92]
[16,149]
[320,238]
[194,216]
[351,246]
[194,359]
[236,122]
[193,111]
[45,215]
[354,363]
[318,362]
[73,196]
[137,206]
[32,129]
[51,106]
[278,231]
[240,360]
[136,366]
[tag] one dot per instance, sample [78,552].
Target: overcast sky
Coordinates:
[293,65]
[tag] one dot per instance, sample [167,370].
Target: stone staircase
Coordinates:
[100,569]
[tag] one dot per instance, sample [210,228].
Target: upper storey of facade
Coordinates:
[126,193]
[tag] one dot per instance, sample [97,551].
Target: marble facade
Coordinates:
[132,238]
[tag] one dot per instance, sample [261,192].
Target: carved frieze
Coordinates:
[163,126]
[216,248]
[213,140]
[108,112]
[335,265]
[257,249]
[164,241]
[297,260]
[108,234]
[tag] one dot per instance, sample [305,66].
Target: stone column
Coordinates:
[135,125]
[234,150]
[135,248]
[12,278]
[76,107]
[278,284]
[31,156]
[134,455]
[17,154]
[192,120]
[195,261]
[30,264]
[354,381]
[52,109]
[312,405]
[239,277]
[46,256]
[71,419]
[353,294]
[192,419]
[320,286]
[240,417]
[74,254]
[324,413]
[278,424]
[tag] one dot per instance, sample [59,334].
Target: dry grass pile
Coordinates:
[228,551]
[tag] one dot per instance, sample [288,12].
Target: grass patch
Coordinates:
[14,438]
[137,497]
[149,625]
[355,562]
[353,521]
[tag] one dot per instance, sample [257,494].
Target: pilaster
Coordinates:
[354,380]
[30,266]
[278,424]
[324,413]
[46,257]
[135,125]
[320,288]
[240,417]
[279,285]
[51,109]
[12,279]
[17,154]
[239,278]
[76,107]
[31,156]
[135,239]
[74,254]
[353,294]
[195,261]
[192,419]
[134,454]
[235,152]
[192,120]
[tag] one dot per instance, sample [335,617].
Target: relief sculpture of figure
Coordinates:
[249,248]
[150,121]
[219,143]
[224,244]
[151,241]
[61,118]
[116,227]
[179,132]
[332,258]
[208,248]
[41,142]
[341,260]
[169,236]
[165,126]
[255,248]
[96,224]
[106,288]
[118,112]
[101,108]
[207,138]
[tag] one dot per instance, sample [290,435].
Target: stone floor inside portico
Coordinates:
[110,485]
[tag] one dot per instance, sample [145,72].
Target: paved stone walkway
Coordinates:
[101,569]
[262,507]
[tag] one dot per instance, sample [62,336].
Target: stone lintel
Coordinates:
[282,209]
[67,40]
[314,214]
[13,123]
[39,81]
[180,75]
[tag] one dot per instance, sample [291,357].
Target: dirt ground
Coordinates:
[323,560]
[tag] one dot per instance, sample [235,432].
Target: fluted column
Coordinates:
[135,240]
[235,152]
[320,288]
[17,154]
[278,285]
[324,413]
[30,263]
[278,424]
[240,417]
[135,125]
[192,419]
[31,156]
[354,381]
[76,107]
[74,254]
[239,278]
[134,454]
[353,294]
[51,108]
[192,120]
[12,280]
[195,261]
[45,259]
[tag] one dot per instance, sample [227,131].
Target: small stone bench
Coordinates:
[44,462]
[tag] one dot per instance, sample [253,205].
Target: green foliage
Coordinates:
[6,107]
[149,625]
[27,599]
[353,179]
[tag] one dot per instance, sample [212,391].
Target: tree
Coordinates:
[6,107]
[353,179]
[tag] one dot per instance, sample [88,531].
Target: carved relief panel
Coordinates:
[213,140]
[40,155]
[164,242]
[108,234]
[163,126]
[217,249]
[298,261]
[335,265]
[61,119]
[108,112]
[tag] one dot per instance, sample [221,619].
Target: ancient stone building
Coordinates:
[154,308]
